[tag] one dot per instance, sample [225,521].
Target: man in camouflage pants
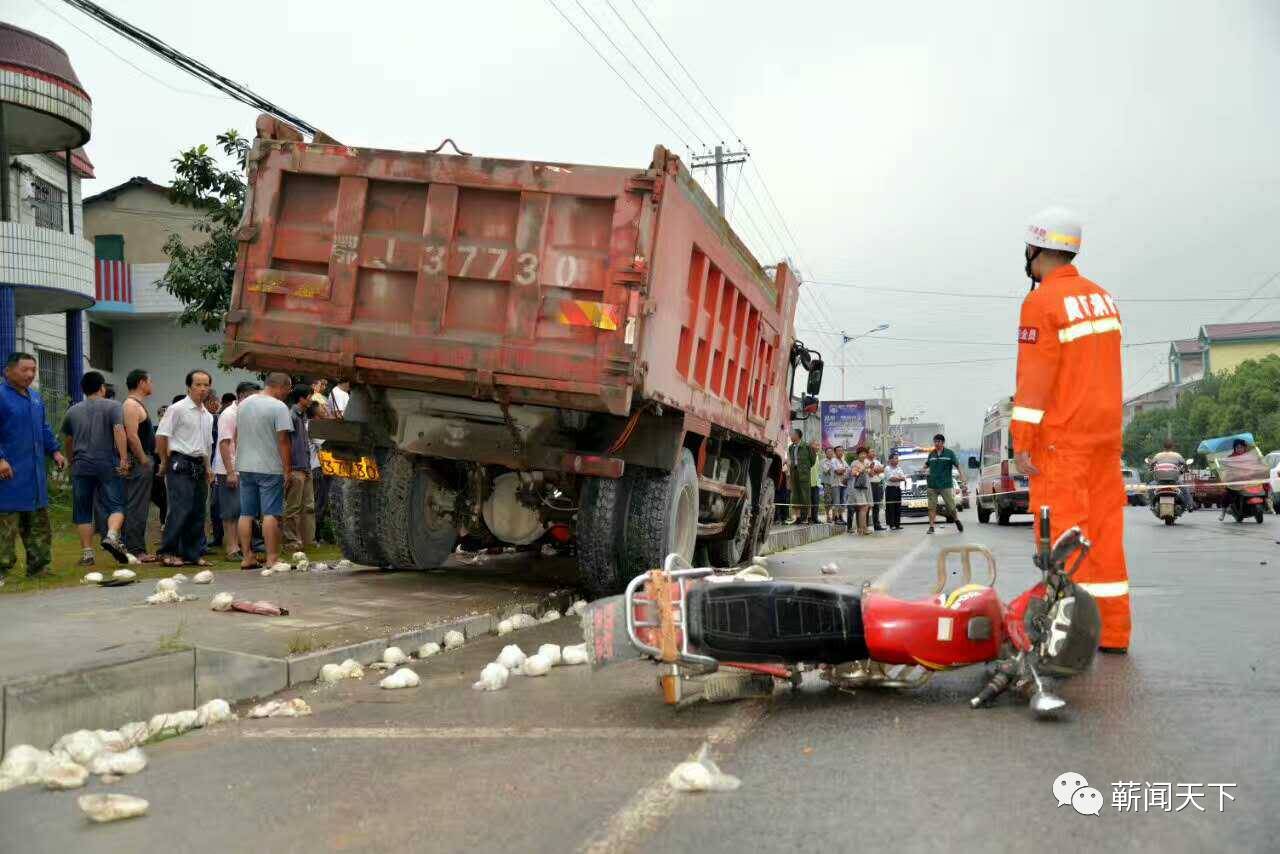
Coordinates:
[25,440]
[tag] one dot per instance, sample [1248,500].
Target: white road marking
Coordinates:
[627,827]
[900,565]
[446,733]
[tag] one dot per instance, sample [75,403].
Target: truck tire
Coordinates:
[351,509]
[984,513]
[763,518]
[725,553]
[662,518]
[1002,515]
[602,513]
[411,535]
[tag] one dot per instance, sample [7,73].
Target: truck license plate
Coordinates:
[365,468]
[917,503]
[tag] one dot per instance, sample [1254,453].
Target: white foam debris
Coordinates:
[267,573]
[830,568]
[204,576]
[302,565]
[394,655]
[493,677]
[130,761]
[511,657]
[752,573]
[345,564]
[297,707]
[281,566]
[62,773]
[22,766]
[428,649]
[505,627]
[700,774]
[124,575]
[402,678]
[320,567]
[222,601]
[550,617]
[134,733]
[112,740]
[576,608]
[79,746]
[173,723]
[214,712]
[298,556]
[454,639]
[102,808]
[92,578]
[331,672]
[523,621]
[131,559]
[551,652]
[576,654]
[352,669]
[536,665]
[179,577]
[168,596]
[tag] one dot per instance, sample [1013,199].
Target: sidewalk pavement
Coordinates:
[97,657]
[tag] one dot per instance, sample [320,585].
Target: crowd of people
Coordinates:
[238,473]
[852,487]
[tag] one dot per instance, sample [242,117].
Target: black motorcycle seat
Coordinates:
[770,621]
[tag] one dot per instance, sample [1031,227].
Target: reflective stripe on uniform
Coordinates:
[1027,414]
[1105,589]
[1079,330]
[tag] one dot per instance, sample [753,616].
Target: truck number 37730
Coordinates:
[487,263]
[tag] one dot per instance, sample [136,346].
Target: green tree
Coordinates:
[200,273]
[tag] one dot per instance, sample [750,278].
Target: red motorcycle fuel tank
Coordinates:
[960,628]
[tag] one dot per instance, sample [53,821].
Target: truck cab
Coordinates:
[1002,487]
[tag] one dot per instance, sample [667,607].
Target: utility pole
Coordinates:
[719,160]
[884,419]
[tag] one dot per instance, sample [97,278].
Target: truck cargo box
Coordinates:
[583,287]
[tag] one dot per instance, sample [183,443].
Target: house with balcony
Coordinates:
[1226,345]
[46,264]
[133,323]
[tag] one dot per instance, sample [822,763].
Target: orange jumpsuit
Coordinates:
[1067,415]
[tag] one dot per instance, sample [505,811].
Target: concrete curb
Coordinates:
[38,710]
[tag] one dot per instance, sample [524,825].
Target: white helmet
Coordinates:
[1055,228]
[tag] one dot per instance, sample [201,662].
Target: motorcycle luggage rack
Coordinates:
[965,551]
[669,611]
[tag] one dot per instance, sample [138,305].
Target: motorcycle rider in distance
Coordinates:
[1169,455]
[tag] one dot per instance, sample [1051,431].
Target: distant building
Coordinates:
[1186,360]
[918,433]
[134,322]
[1226,345]
[46,266]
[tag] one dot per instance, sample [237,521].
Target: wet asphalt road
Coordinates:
[576,760]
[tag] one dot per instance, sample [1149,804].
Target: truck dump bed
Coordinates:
[585,287]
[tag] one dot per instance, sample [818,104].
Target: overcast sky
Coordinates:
[905,144]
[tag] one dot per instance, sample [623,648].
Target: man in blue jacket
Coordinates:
[25,440]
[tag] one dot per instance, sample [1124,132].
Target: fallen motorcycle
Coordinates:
[731,637]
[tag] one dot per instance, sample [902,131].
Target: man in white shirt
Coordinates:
[876,471]
[184,442]
[895,478]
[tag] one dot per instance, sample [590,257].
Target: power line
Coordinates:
[959,295]
[935,364]
[686,71]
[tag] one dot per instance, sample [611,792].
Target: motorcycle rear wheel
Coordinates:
[1168,520]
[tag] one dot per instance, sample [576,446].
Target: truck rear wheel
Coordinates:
[763,518]
[1002,515]
[662,518]
[601,524]
[351,509]
[984,513]
[411,532]
[732,552]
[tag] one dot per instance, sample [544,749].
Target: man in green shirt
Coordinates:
[940,462]
[800,462]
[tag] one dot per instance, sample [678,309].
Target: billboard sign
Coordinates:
[844,422]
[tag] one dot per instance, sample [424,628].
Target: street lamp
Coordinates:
[845,339]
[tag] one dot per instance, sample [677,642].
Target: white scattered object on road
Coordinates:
[91,578]
[112,740]
[402,678]
[701,775]
[523,621]
[204,576]
[214,712]
[61,773]
[103,808]
[124,575]
[576,608]
[222,601]
[830,569]
[505,627]
[349,669]
[511,657]
[167,596]
[130,761]
[536,665]
[345,564]
[131,559]
[79,746]
[352,669]
[298,556]
[428,649]
[302,565]
[174,723]
[454,639]
[576,654]
[281,566]
[493,677]
[267,573]
[297,707]
[551,652]
[752,573]
[22,765]
[134,733]
[394,655]
[179,577]
[319,567]
[550,617]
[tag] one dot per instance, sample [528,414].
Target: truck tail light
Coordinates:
[560,533]
[1006,480]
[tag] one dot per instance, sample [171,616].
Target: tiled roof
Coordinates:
[136,181]
[1188,345]
[1239,331]
[80,163]
[28,50]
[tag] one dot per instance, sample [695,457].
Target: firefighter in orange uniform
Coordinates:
[1067,412]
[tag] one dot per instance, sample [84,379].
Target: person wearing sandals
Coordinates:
[263,461]
[226,475]
[860,492]
[94,438]
[184,441]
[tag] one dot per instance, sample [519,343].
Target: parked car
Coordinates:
[915,497]
[1133,487]
[999,479]
[1273,464]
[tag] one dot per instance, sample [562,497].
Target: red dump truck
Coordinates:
[538,352]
